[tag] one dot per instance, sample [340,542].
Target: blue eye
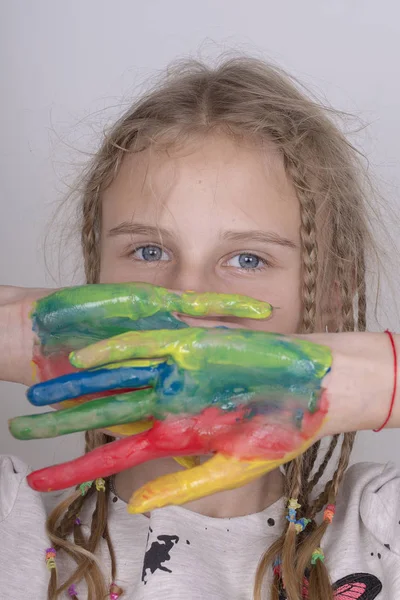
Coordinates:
[150,253]
[246,261]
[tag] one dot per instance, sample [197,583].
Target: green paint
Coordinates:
[76,317]
[224,367]
[197,348]
[96,414]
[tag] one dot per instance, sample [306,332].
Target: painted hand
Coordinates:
[72,318]
[252,399]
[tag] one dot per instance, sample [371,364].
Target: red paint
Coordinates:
[231,433]
[49,367]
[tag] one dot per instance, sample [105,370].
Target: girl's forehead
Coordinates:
[213,178]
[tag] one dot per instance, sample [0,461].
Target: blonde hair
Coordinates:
[247,99]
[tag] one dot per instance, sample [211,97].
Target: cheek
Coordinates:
[121,274]
[283,291]
[125,270]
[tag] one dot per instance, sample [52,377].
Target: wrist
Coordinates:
[360,383]
[16,335]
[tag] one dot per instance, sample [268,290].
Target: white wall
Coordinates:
[64,61]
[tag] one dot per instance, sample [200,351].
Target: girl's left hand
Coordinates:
[252,399]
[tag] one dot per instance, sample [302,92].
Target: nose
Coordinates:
[195,279]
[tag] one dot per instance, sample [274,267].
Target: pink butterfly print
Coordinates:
[360,586]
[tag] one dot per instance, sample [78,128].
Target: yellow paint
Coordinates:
[131,428]
[35,372]
[220,473]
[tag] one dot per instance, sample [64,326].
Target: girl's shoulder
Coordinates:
[22,532]
[370,481]
[370,493]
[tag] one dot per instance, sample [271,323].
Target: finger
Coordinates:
[96,414]
[220,473]
[94,305]
[279,359]
[83,383]
[133,344]
[117,456]
[191,303]
[115,430]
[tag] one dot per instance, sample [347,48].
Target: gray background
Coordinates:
[68,66]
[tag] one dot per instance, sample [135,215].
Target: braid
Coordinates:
[328,495]
[347,323]
[308,236]
[106,536]
[91,219]
[361,293]
[68,521]
[347,447]
[294,480]
[62,522]
[321,469]
[309,459]
[285,545]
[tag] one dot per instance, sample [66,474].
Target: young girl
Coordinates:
[232,181]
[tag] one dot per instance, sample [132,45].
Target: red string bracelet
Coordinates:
[395,381]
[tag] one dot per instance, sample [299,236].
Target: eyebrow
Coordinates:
[256,235]
[127,228]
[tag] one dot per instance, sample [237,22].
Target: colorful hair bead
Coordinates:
[78,521]
[301,524]
[100,484]
[317,555]
[84,487]
[293,505]
[50,558]
[115,591]
[276,566]
[329,512]
[72,591]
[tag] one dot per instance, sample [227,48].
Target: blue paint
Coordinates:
[83,383]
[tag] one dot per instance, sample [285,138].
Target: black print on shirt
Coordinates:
[360,586]
[157,554]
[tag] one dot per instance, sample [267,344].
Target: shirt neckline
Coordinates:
[262,520]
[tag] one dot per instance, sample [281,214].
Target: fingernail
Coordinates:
[75,361]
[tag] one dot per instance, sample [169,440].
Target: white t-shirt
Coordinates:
[179,555]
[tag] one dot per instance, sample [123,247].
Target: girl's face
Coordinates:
[215,216]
